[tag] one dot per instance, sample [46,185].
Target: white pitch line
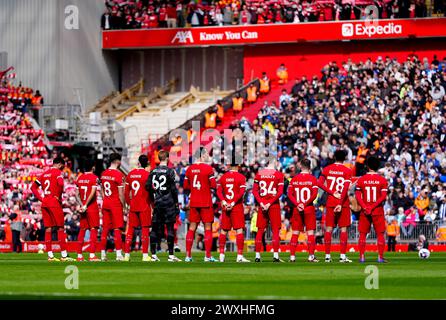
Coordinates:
[174,296]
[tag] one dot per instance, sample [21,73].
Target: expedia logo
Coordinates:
[183,37]
[370,30]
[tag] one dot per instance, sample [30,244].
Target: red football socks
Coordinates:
[145,240]
[293,243]
[118,239]
[362,243]
[343,241]
[240,240]
[208,242]
[128,240]
[80,239]
[104,238]
[189,241]
[327,241]
[48,241]
[62,237]
[276,241]
[222,243]
[381,244]
[259,240]
[93,239]
[311,243]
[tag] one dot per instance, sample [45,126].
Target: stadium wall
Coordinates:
[205,68]
[57,60]
[308,58]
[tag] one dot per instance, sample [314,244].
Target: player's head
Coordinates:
[373,163]
[89,165]
[163,156]
[272,162]
[202,154]
[143,161]
[340,155]
[305,165]
[59,163]
[115,159]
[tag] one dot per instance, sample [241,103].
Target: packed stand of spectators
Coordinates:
[392,109]
[136,14]
[23,157]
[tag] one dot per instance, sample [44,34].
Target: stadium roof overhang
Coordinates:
[274,33]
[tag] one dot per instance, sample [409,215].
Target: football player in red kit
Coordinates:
[200,180]
[338,178]
[140,213]
[52,184]
[112,185]
[371,192]
[230,190]
[302,191]
[267,190]
[87,186]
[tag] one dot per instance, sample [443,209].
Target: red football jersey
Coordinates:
[111,180]
[302,186]
[51,182]
[268,182]
[371,185]
[233,184]
[200,180]
[136,187]
[85,184]
[336,176]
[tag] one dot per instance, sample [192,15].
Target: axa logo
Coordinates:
[183,37]
[359,29]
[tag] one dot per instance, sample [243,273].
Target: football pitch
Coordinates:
[30,276]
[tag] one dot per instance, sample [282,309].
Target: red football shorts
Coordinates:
[140,218]
[304,221]
[53,216]
[112,218]
[90,219]
[234,219]
[366,221]
[201,214]
[272,215]
[340,219]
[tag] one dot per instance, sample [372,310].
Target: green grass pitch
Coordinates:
[404,277]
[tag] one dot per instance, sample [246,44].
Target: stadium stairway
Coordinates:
[162,116]
[250,112]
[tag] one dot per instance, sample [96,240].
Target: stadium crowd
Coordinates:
[392,109]
[23,157]
[134,14]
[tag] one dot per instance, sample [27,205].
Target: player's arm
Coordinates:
[255,192]
[121,188]
[186,182]
[127,192]
[321,184]
[291,195]
[212,181]
[381,199]
[149,187]
[35,190]
[174,191]
[344,193]
[313,196]
[220,192]
[91,195]
[358,194]
[240,194]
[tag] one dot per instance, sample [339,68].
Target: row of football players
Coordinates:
[153,205]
